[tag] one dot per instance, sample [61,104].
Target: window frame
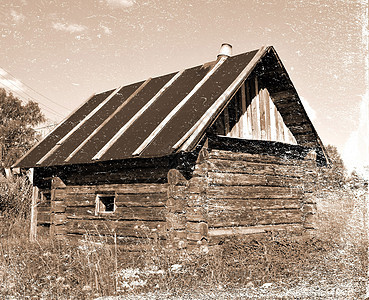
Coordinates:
[98,203]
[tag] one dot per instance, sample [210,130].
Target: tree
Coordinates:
[335,175]
[16,122]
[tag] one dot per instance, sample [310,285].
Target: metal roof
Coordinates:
[151,118]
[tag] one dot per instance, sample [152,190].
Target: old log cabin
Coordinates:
[224,148]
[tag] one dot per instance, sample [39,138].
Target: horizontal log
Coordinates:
[251,192]
[43,209]
[231,179]
[43,218]
[80,200]
[144,199]
[176,205]
[121,213]
[253,204]
[58,194]
[229,231]
[45,203]
[141,213]
[120,228]
[122,176]
[261,217]
[57,206]
[59,230]
[198,227]
[196,214]
[58,219]
[79,210]
[228,166]
[257,158]
[135,188]
[195,236]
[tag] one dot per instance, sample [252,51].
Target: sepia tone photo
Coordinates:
[184,149]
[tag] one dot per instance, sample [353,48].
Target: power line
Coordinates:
[35,90]
[16,92]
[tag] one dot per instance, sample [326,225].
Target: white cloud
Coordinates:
[71,28]
[17,17]
[309,110]
[120,3]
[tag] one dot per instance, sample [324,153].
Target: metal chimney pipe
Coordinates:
[225,50]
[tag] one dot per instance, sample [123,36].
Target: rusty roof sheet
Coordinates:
[144,119]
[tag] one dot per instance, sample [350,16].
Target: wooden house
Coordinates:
[224,148]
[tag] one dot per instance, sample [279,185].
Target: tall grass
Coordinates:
[67,269]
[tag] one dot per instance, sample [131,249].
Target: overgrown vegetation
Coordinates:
[16,127]
[332,263]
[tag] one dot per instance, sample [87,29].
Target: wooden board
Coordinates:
[234,179]
[135,188]
[121,228]
[234,204]
[261,158]
[144,199]
[245,218]
[257,192]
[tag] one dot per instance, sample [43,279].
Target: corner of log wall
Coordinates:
[186,209]
[57,208]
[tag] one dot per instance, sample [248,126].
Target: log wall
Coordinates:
[229,193]
[251,190]
[139,212]
[240,193]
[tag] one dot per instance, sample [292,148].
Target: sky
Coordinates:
[61,52]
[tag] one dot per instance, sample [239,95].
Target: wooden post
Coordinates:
[33,227]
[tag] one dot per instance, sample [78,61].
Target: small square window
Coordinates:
[105,204]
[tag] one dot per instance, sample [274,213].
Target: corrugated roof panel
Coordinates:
[143,127]
[90,125]
[49,142]
[98,141]
[198,105]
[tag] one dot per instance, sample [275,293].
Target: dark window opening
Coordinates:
[105,203]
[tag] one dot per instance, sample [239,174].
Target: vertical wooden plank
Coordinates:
[273,127]
[277,127]
[248,110]
[256,112]
[262,114]
[267,115]
[33,227]
[280,125]
[226,121]
[237,115]
[243,120]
